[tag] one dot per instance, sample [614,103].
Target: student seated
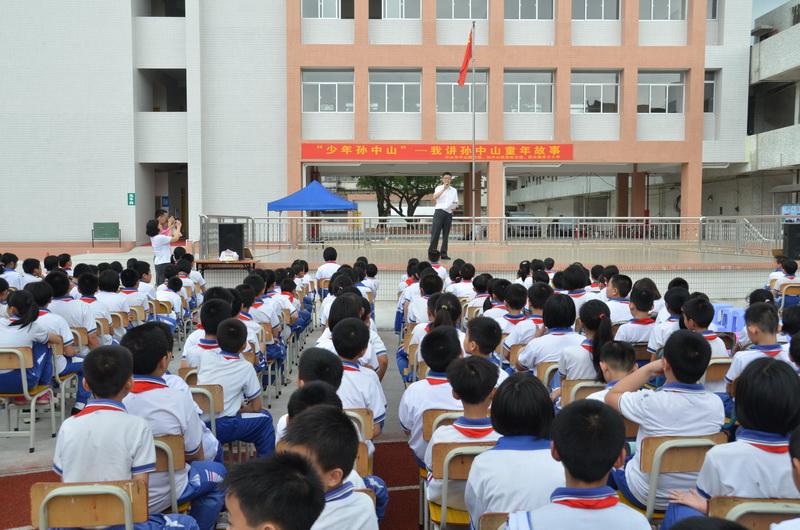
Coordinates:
[31,271]
[538,293]
[145,277]
[170,411]
[617,361]
[480,286]
[171,294]
[500,479]
[76,313]
[755,465]
[515,297]
[282,492]
[481,340]
[495,306]
[473,380]
[103,442]
[242,417]
[789,267]
[559,316]
[439,348]
[10,274]
[130,280]
[108,285]
[675,298]
[574,282]
[212,314]
[589,440]
[697,316]
[583,361]
[617,297]
[681,407]
[664,313]
[88,285]
[597,285]
[444,309]
[640,326]
[326,270]
[264,311]
[429,284]
[326,436]
[794,453]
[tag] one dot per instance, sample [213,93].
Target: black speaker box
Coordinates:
[231,237]
[791,240]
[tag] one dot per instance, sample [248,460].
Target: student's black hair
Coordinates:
[699,310]
[130,263]
[622,283]
[59,282]
[537,265]
[171,270]
[791,320]
[328,434]
[538,293]
[678,282]
[352,290]
[454,274]
[767,394]
[231,335]
[762,315]
[516,296]
[411,266]
[108,281]
[540,277]
[596,316]
[619,356]
[574,278]
[27,309]
[597,273]
[647,283]
[103,266]
[218,293]
[485,332]
[481,282]
[184,266]
[498,288]
[107,369]
[360,273]
[794,348]
[247,294]
[30,265]
[430,284]
[558,280]
[366,310]
[41,291]
[702,522]
[434,255]
[458,262]
[152,228]
[609,271]
[588,436]
[280,275]
[347,305]
[467,271]
[472,378]
[3,285]
[794,444]
[421,266]
[147,346]
[350,338]
[559,312]
[338,284]
[160,212]
[642,298]
[116,266]
[269,278]
[50,262]
[82,268]
[440,347]
[524,269]
[88,284]
[311,394]
[63,259]
[213,313]
[164,329]
[177,254]
[175,284]
[760,295]
[522,407]
[688,353]
[318,364]
[297,268]
[372,270]
[236,303]
[329,254]
[445,308]
[142,267]
[94,269]
[549,263]
[288,285]
[675,298]
[255,282]
[789,266]
[129,277]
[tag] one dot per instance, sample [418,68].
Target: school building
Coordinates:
[582,107]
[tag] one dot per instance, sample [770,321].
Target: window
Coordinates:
[660,92]
[595,9]
[528,91]
[327,91]
[711,9]
[710,92]
[395,9]
[529,10]
[662,10]
[328,9]
[462,9]
[394,91]
[594,92]
[453,98]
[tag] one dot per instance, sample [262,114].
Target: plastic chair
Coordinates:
[89,504]
[719,308]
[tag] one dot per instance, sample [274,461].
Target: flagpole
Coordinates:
[472,99]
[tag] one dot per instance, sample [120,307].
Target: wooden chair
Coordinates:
[412,362]
[120,319]
[641,351]
[422,370]
[472,311]
[267,335]
[64,381]
[55,504]
[365,421]
[152,307]
[170,455]
[574,389]
[729,338]
[673,454]
[546,371]
[499,350]
[433,418]
[81,337]
[757,514]
[103,327]
[788,289]
[452,461]
[20,359]
[138,315]
[493,521]
[188,374]
[717,368]
[513,355]
[210,399]
[615,327]
[362,457]
[631,428]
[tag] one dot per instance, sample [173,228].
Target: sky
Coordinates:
[764,6]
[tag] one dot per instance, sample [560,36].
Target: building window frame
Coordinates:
[710,92]
[542,92]
[323,9]
[410,93]
[455,9]
[662,10]
[592,89]
[401,9]
[595,10]
[528,10]
[445,86]
[712,9]
[661,92]
[342,93]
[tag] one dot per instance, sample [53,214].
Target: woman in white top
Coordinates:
[161,246]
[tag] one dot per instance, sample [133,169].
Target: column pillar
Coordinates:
[496,190]
[638,199]
[691,198]
[468,210]
[622,195]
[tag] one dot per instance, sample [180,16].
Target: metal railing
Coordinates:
[209,232]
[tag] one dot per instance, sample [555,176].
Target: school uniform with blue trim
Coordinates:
[595,508]
[361,388]
[756,351]
[576,362]
[13,278]
[65,365]
[636,330]
[212,449]
[76,313]
[116,302]
[33,336]
[580,297]
[548,347]
[136,298]
[523,332]
[661,332]
[620,309]
[346,508]
[100,311]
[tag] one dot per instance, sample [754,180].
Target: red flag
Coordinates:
[462,75]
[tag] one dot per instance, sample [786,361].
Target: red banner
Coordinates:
[436,152]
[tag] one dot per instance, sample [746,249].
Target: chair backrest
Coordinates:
[717,368]
[493,521]
[431,420]
[119,319]
[631,428]
[188,374]
[688,452]
[266,332]
[16,358]
[500,350]
[103,326]
[249,356]
[365,421]
[422,370]
[370,299]
[137,314]
[413,350]
[324,283]
[80,336]
[458,457]
[163,307]
[640,349]
[728,337]
[546,371]
[173,443]
[472,311]
[88,504]
[285,316]
[757,514]
[790,289]
[152,306]
[200,394]
[574,389]
[188,291]
[615,327]
[513,355]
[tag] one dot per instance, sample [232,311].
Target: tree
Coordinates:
[408,190]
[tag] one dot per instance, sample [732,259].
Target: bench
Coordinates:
[106,232]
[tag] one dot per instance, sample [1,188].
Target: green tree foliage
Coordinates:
[399,194]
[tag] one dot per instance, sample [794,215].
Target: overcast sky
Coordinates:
[764,6]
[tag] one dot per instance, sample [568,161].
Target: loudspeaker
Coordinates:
[231,237]
[791,240]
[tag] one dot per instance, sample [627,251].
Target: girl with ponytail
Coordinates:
[444,309]
[21,330]
[583,362]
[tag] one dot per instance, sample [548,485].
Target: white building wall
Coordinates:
[328,125]
[316,30]
[456,32]
[66,118]
[160,42]
[393,31]
[662,33]
[596,33]
[664,127]
[712,33]
[395,125]
[594,126]
[458,126]
[161,137]
[528,126]
[243,106]
[529,32]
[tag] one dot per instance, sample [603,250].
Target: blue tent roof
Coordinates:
[313,197]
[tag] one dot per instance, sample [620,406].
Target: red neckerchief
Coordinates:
[588,504]
[94,408]
[88,299]
[43,312]
[140,386]
[209,346]
[587,345]
[642,321]
[287,293]
[709,335]
[436,380]
[473,432]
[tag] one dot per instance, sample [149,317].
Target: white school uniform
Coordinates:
[548,347]
[29,278]
[116,302]
[576,362]
[594,287]
[16,337]
[718,351]
[210,442]
[620,309]
[513,461]
[326,270]
[235,375]
[636,330]
[676,409]
[135,298]
[463,430]
[756,351]
[194,352]
[373,284]
[663,314]
[78,314]
[418,310]
[463,289]
[166,295]
[362,389]
[345,508]
[148,290]
[661,333]
[774,275]
[104,443]
[417,336]
[659,304]
[508,322]
[282,302]
[523,332]
[525,282]
[56,325]
[565,511]
[580,297]
[264,311]
[476,301]
[441,270]
[434,392]
[601,395]
[497,311]
[791,524]
[783,280]
[168,411]
[370,357]
[325,309]
[13,278]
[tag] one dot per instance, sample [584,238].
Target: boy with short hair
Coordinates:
[170,411]
[617,297]
[681,407]
[574,281]
[482,337]
[212,314]
[789,268]
[640,326]
[108,294]
[172,294]
[264,311]
[103,442]
[242,417]
[597,284]
[698,313]
[674,299]
[589,440]
[439,348]
[515,297]
[434,256]
[88,287]
[31,271]
[282,492]
[549,263]
[326,270]
[538,293]
[10,273]
[145,277]
[130,280]
[464,288]
[430,284]
[474,381]
[326,436]
[65,263]
[480,286]
[617,361]
[77,314]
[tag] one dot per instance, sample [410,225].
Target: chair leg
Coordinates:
[53,414]
[33,424]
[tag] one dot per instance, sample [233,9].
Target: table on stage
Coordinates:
[246,264]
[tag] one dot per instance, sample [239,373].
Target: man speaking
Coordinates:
[446,198]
